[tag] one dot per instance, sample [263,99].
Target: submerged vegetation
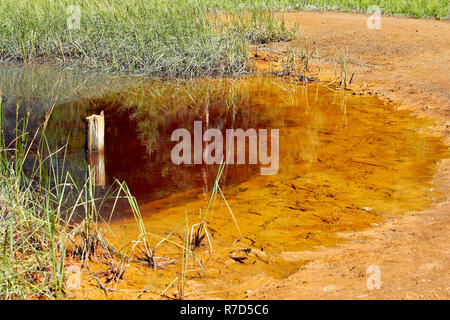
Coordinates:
[39,202]
[40,244]
[50,222]
[32,254]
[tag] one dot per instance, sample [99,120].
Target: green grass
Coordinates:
[415,8]
[38,201]
[164,38]
[38,197]
[49,222]
[32,254]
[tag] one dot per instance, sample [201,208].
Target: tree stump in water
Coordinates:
[95,135]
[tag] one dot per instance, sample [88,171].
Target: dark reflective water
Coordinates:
[317,125]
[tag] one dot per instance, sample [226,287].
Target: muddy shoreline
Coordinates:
[406,62]
[407,70]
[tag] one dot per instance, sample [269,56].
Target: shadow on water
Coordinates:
[139,124]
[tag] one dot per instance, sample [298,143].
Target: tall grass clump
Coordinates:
[163,38]
[45,217]
[155,38]
[260,26]
[415,8]
[32,250]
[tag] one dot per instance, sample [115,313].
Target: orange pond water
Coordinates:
[346,161]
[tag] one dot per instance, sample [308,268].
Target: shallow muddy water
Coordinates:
[346,161]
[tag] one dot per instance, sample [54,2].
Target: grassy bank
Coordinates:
[48,223]
[414,8]
[164,38]
[155,38]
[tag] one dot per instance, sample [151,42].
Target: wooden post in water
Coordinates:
[96,161]
[96,132]
[95,127]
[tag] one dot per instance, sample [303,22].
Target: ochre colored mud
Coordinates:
[346,162]
[407,62]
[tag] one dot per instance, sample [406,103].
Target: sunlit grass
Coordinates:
[415,8]
[45,218]
[161,38]
[164,38]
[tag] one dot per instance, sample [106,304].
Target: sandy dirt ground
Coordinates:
[407,62]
